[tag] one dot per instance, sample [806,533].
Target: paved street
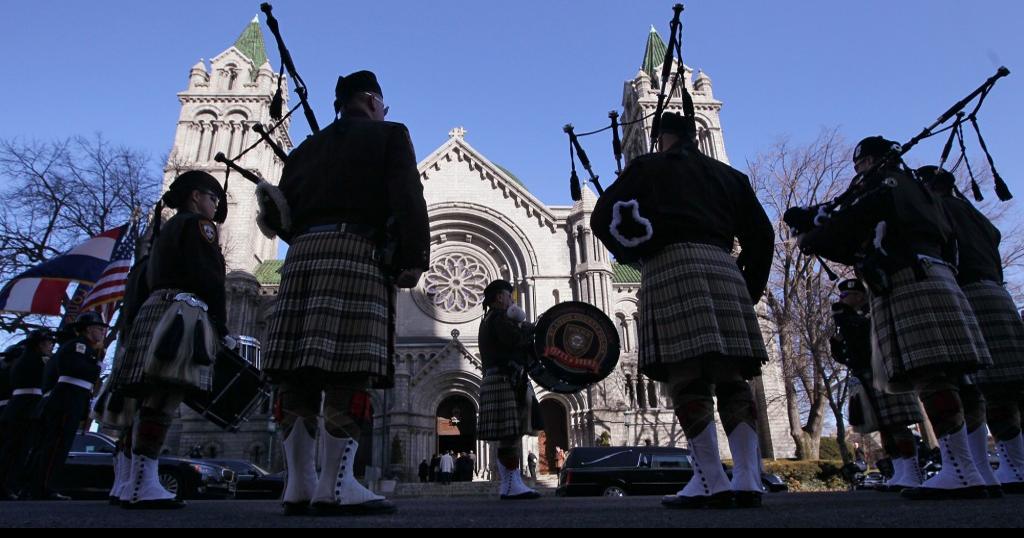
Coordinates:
[863,509]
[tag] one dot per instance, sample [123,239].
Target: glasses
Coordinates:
[380,100]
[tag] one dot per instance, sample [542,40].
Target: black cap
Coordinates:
[40,335]
[852,284]
[89,319]
[678,125]
[494,288]
[196,180]
[874,146]
[360,81]
[933,175]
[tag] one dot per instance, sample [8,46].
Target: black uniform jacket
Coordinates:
[852,345]
[692,198]
[75,359]
[187,257]
[504,343]
[26,373]
[978,242]
[360,171]
[915,223]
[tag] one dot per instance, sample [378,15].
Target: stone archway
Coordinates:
[555,434]
[456,424]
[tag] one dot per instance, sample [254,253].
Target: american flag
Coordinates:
[110,288]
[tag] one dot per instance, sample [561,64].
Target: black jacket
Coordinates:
[360,171]
[852,343]
[187,257]
[503,343]
[978,242]
[915,223]
[26,373]
[692,198]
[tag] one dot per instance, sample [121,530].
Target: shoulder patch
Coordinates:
[208,230]
[81,349]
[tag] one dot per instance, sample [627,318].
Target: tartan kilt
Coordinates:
[1003,329]
[501,415]
[111,409]
[332,312]
[134,375]
[888,410]
[925,325]
[694,303]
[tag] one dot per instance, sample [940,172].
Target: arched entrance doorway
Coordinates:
[456,425]
[555,434]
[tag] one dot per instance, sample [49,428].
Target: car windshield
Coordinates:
[92,444]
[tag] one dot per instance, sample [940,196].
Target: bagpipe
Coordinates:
[274,218]
[673,58]
[804,219]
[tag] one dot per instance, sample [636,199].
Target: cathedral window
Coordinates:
[455,282]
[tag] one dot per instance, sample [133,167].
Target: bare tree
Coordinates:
[57,194]
[798,298]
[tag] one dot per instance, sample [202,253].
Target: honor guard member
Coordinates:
[896,234]
[872,410]
[360,229]
[176,334]
[6,360]
[21,414]
[78,369]
[680,213]
[508,406]
[981,277]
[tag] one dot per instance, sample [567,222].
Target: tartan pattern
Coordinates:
[501,416]
[130,376]
[332,312]
[694,302]
[1003,329]
[934,325]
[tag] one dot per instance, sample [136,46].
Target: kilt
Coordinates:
[332,312]
[138,373]
[694,303]
[502,414]
[889,410]
[924,325]
[1003,329]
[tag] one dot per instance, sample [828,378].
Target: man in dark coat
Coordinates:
[898,237]
[680,213]
[359,230]
[21,413]
[78,370]
[980,275]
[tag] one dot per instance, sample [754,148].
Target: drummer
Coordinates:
[177,331]
[507,401]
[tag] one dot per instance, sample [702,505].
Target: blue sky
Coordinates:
[514,73]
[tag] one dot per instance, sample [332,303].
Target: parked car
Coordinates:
[620,471]
[89,472]
[254,482]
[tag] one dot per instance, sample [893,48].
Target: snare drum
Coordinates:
[239,388]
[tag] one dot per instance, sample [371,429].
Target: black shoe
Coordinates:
[719,501]
[371,508]
[522,496]
[995,492]
[54,496]
[162,504]
[748,499]
[936,494]
[295,509]
[114,501]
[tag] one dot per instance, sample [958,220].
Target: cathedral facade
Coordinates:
[484,224]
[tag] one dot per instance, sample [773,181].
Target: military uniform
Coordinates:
[78,371]
[21,415]
[358,220]
[680,212]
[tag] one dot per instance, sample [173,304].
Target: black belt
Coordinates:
[362,230]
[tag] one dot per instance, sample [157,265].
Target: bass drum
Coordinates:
[575,345]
